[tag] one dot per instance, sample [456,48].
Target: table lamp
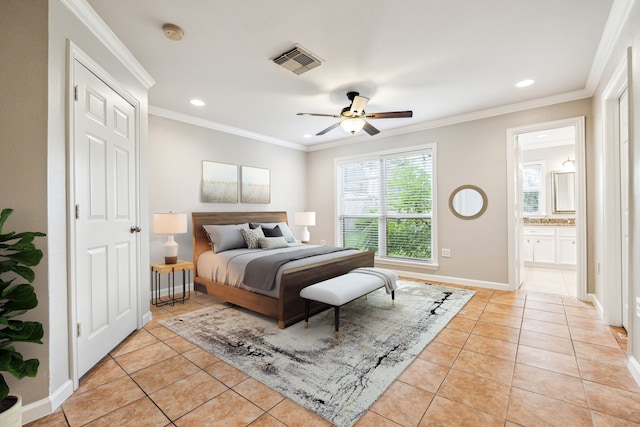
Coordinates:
[170,224]
[305,219]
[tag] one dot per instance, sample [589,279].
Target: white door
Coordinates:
[105,196]
[624,203]
[523,252]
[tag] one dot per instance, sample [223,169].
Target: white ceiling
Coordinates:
[439,58]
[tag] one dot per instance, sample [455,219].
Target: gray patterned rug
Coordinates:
[339,379]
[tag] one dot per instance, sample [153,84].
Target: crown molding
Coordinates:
[432,124]
[618,16]
[196,121]
[85,13]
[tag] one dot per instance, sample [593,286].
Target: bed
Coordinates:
[286,307]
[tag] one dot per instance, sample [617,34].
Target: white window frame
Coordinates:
[542,207]
[433,263]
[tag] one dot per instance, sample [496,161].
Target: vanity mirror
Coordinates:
[564,192]
[468,202]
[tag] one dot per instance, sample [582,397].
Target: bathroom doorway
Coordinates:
[548,211]
[547,203]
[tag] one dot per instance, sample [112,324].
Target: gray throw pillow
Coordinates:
[273,242]
[225,237]
[252,236]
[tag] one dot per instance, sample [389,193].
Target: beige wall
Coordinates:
[175,169]
[23,156]
[467,153]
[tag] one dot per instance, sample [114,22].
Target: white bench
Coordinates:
[339,291]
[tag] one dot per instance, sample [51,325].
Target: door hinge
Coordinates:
[78,329]
[75,93]
[77,211]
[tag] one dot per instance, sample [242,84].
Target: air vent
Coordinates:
[297,60]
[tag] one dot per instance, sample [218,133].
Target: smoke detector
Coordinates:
[172,32]
[297,60]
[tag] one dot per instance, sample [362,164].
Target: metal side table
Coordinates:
[157,270]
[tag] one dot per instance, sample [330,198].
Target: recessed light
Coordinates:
[543,135]
[307,135]
[525,83]
[197,102]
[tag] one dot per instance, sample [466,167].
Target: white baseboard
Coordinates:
[146,318]
[164,292]
[634,367]
[48,405]
[597,304]
[454,280]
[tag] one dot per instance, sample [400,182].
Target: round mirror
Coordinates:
[468,202]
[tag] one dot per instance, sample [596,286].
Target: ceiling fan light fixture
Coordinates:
[352,125]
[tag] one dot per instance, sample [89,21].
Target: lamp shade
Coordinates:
[305,218]
[170,223]
[352,125]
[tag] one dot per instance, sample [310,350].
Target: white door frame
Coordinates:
[612,214]
[581,199]
[76,54]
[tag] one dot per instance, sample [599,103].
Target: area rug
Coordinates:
[339,379]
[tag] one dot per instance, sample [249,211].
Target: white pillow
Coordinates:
[273,242]
[225,237]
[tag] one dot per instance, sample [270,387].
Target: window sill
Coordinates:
[407,263]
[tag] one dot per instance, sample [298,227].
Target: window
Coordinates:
[533,188]
[385,203]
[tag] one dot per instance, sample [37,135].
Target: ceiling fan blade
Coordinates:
[319,115]
[333,126]
[357,105]
[390,115]
[370,129]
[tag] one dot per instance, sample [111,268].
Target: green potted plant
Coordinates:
[17,295]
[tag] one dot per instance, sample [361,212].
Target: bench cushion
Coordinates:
[342,289]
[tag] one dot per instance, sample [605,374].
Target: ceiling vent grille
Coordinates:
[297,60]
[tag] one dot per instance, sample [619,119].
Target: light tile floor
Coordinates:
[507,359]
[550,280]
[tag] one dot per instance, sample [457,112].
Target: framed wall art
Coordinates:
[219,182]
[256,185]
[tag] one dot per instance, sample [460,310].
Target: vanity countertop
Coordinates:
[554,222]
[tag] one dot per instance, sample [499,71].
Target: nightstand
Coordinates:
[160,268]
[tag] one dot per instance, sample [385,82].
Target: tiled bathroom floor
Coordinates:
[550,280]
[507,359]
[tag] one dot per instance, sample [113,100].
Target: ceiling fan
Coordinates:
[353,117]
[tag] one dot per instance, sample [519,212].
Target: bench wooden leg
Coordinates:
[306,313]
[336,320]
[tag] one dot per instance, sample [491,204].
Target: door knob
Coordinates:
[134,229]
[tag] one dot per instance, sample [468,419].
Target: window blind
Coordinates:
[532,188]
[385,204]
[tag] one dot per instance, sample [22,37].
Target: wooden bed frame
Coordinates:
[289,307]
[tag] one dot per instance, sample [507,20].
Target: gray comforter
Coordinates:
[261,272]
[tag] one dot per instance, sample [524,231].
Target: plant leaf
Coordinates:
[4,388]
[3,217]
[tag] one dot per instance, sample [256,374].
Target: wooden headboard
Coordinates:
[198,219]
